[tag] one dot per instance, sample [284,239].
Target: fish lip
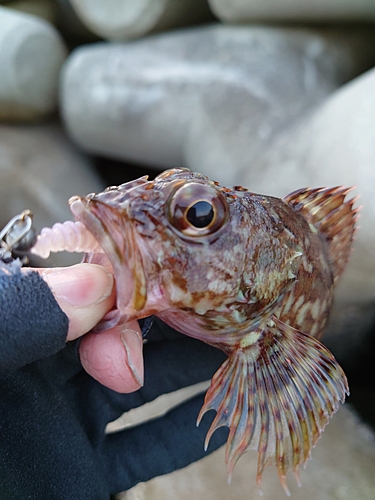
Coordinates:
[121,250]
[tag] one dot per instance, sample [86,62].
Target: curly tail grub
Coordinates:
[69,237]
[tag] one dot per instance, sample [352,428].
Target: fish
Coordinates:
[250,274]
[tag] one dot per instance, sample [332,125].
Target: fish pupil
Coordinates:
[200,214]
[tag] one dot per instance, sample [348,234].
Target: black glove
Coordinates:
[53,414]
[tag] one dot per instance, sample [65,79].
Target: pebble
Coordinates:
[32,53]
[326,11]
[124,19]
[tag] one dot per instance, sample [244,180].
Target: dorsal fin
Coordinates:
[327,210]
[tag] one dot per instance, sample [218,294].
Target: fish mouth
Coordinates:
[115,234]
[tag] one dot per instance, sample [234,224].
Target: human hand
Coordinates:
[85,293]
[54,414]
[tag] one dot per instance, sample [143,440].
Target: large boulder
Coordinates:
[148,101]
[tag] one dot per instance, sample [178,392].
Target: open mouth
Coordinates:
[114,232]
[107,237]
[106,229]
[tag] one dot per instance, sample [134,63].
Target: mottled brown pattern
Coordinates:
[256,280]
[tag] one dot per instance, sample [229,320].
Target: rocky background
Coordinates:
[271,94]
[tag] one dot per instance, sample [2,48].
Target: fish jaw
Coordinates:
[117,240]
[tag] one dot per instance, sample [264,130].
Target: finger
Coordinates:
[85,292]
[167,443]
[114,357]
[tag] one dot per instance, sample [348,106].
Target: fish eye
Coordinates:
[197,209]
[201,214]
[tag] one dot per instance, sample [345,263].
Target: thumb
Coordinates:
[85,292]
[114,357]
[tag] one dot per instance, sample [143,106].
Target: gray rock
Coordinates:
[241,11]
[342,467]
[149,101]
[32,53]
[40,170]
[124,19]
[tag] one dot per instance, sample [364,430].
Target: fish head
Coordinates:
[183,246]
[174,242]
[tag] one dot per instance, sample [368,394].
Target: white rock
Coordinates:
[124,19]
[342,467]
[241,11]
[40,170]
[138,101]
[32,53]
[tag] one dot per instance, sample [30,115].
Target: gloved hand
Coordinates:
[53,413]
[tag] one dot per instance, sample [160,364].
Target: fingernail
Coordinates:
[81,285]
[133,343]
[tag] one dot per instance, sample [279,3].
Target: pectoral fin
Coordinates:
[276,394]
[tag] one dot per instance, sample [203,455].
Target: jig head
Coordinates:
[17,237]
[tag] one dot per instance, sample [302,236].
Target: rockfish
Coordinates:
[250,274]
